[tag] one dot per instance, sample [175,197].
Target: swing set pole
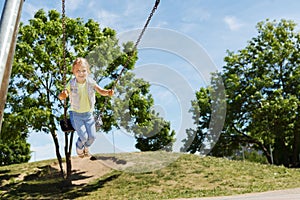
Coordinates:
[9,26]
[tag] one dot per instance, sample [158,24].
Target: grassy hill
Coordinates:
[148,175]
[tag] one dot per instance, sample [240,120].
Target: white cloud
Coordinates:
[29,10]
[74,5]
[195,14]
[107,18]
[233,23]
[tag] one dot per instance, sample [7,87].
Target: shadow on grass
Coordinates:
[5,176]
[47,183]
[110,158]
[85,190]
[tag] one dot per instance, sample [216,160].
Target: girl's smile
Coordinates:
[80,73]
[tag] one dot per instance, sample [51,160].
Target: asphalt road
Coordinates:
[290,194]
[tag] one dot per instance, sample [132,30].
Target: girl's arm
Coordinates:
[102,91]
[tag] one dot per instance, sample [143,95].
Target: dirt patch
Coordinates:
[85,170]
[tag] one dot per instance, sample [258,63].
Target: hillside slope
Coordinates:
[146,175]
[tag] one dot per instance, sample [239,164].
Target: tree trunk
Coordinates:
[68,151]
[295,157]
[248,139]
[56,143]
[296,142]
[267,153]
[281,152]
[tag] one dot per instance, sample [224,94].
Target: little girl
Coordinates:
[81,91]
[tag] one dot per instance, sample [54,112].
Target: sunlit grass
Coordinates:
[151,175]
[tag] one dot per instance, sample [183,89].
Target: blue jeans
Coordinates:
[84,124]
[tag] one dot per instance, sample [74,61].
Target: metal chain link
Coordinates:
[128,59]
[63,21]
[137,41]
[64,42]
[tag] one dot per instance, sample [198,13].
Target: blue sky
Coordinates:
[179,32]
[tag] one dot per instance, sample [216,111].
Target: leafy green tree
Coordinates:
[13,146]
[156,137]
[37,73]
[262,82]
[209,111]
[133,111]
[14,151]
[262,91]
[201,110]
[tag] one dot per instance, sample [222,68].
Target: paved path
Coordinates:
[290,194]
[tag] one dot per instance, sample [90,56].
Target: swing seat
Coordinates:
[66,126]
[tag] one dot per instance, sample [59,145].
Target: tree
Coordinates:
[14,151]
[37,71]
[37,75]
[262,91]
[156,137]
[13,146]
[209,111]
[133,111]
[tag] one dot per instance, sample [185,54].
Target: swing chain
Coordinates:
[138,40]
[64,42]
[64,59]
[134,48]
[147,22]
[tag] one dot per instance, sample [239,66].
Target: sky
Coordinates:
[185,42]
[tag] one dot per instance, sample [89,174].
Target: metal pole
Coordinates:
[272,160]
[9,25]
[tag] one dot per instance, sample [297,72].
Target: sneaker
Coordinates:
[80,152]
[86,152]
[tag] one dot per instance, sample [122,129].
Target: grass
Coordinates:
[150,175]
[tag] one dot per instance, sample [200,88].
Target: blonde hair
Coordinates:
[82,62]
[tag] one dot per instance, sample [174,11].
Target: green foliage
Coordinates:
[132,109]
[14,151]
[252,156]
[13,145]
[38,66]
[262,94]
[209,111]
[156,137]
[201,110]
[38,74]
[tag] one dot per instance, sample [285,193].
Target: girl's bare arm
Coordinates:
[103,92]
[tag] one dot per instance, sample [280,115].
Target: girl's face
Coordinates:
[80,72]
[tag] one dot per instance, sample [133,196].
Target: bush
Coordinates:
[14,152]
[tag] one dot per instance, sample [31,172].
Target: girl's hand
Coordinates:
[63,95]
[110,92]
